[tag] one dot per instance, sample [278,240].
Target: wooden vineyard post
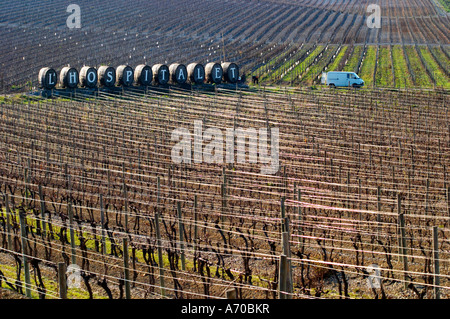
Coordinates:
[160,256]
[427,195]
[66,175]
[436,279]
[288,267]
[123,163]
[102,221]
[283,216]
[379,210]
[224,195]
[195,224]
[47,158]
[300,228]
[25,180]
[448,201]
[169,179]
[400,222]
[125,196]
[26,267]
[72,234]
[231,293]
[347,205]
[8,223]
[41,199]
[159,243]
[62,283]
[409,189]
[181,230]
[359,205]
[283,276]
[69,187]
[108,176]
[402,241]
[126,268]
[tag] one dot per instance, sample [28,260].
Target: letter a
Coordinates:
[181,75]
[74,20]
[181,152]
[374,20]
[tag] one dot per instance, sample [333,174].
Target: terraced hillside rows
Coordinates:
[362,180]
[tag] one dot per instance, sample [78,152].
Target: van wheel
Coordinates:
[331,85]
[356,86]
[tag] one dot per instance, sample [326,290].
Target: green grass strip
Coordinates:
[368,65]
[402,76]
[335,64]
[301,67]
[316,68]
[50,284]
[422,78]
[384,77]
[440,55]
[353,59]
[445,4]
[441,79]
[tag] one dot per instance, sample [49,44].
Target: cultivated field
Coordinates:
[283,42]
[346,161]
[362,190]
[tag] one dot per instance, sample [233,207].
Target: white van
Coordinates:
[348,79]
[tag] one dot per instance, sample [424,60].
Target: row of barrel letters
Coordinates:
[143,75]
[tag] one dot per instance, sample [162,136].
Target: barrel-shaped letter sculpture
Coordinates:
[178,73]
[69,77]
[214,73]
[143,75]
[161,73]
[107,76]
[47,78]
[124,75]
[230,72]
[88,77]
[196,73]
